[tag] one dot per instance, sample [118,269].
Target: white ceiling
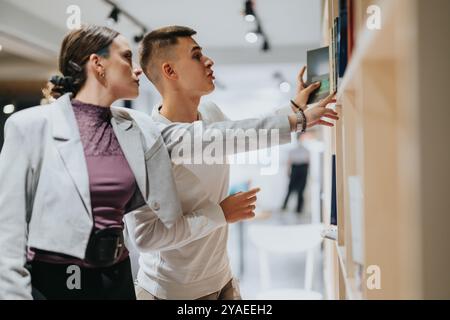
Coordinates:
[219,22]
[33,30]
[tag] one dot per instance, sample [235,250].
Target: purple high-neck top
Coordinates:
[111,181]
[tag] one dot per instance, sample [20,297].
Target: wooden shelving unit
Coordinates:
[392,139]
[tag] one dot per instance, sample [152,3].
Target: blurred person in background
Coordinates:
[298,164]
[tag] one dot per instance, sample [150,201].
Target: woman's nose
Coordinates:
[137,72]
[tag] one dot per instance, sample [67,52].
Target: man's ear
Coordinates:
[168,71]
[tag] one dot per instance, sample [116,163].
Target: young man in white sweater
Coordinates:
[174,63]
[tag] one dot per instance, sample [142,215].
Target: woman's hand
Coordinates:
[239,206]
[303,92]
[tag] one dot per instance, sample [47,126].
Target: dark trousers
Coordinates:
[59,282]
[297,184]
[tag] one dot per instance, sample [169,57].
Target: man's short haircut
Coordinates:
[157,45]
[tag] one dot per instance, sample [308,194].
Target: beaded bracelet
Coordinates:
[296,105]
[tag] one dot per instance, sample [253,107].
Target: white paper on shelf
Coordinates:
[356,218]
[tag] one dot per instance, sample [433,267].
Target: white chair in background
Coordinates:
[290,239]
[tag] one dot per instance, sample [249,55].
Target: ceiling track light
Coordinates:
[249,13]
[118,11]
[114,15]
[253,36]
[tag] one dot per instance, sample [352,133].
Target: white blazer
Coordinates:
[44,187]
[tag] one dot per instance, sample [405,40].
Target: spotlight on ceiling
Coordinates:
[285,86]
[249,13]
[251,37]
[249,18]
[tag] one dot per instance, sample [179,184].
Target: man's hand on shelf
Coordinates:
[303,92]
[316,112]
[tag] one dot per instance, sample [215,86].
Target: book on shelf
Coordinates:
[331,231]
[333,218]
[350,28]
[333,53]
[318,70]
[336,53]
[340,45]
[342,38]
[332,62]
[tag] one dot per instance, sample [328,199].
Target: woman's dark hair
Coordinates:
[76,49]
